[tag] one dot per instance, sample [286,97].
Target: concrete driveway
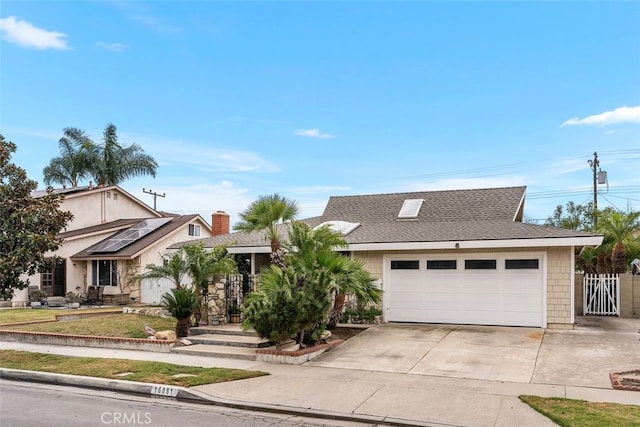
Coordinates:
[584,356]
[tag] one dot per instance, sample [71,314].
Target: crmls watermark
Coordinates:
[126,418]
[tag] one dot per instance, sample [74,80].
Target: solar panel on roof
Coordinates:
[133,234]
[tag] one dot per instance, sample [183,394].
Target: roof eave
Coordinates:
[480,244]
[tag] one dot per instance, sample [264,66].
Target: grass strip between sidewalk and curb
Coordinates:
[580,413]
[122,369]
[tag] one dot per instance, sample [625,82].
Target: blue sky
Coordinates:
[314,99]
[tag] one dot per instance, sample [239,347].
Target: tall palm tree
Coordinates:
[115,163]
[265,214]
[74,161]
[622,229]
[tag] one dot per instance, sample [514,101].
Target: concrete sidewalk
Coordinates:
[357,395]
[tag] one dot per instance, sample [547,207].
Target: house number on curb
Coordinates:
[159,390]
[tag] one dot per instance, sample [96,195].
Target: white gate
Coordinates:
[601,294]
[151,290]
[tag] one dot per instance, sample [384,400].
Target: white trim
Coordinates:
[249,249]
[520,205]
[479,244]
[573,286]
[545,285]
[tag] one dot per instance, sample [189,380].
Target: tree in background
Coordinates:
[114,163]
[108,163]
[622,236]
[572,217]
[74,161]
[28,225]
[265,214]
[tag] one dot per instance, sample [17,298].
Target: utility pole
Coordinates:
[155,195]
[595,163]
[599,177]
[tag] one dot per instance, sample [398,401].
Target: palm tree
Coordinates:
[74,161]
[296,299]
[622,229]
[115,163]
[174,267]
[181,303]
[316,248]
[265,214]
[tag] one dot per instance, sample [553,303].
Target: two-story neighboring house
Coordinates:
[111,238]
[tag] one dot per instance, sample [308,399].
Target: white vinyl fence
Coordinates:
[601,294]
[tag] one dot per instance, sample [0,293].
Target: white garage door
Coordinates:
[478,289]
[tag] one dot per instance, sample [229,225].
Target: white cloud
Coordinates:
[24,34]
[610,132]
[619,115]
[312,133]
[114,47]
[200,156]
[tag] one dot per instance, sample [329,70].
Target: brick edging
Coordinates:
[302,352]
[87,341]
[616,380]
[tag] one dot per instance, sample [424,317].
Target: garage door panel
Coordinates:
[485,297]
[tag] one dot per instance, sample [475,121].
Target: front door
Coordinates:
[54,282]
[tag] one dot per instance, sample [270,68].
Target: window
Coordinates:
[108,194]
[405,265]
[105,272]
[442,264]
[521,264]
[410,208]
[115,196]
[194,230]
[480,264]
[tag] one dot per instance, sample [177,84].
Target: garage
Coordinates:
[471,288]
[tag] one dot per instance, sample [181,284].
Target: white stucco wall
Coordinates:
[102,205]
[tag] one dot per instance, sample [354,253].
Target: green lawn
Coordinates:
[579,413]
[111,325]
[144,371]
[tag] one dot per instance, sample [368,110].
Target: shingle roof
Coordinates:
[131,250]
[113,225]
[445,216]
[450,205]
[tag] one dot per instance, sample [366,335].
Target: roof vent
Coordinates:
[410,208]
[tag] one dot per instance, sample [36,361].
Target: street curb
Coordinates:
[194,396]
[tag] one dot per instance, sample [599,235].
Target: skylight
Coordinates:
[343,227]
[410,208]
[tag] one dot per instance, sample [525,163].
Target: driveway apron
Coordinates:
[477,352]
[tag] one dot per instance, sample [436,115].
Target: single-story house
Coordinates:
[113,236]
[459,256]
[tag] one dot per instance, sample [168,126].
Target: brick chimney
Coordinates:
[219,223]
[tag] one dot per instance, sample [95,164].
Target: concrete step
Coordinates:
[223,351]
[229,340]
[227,329]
